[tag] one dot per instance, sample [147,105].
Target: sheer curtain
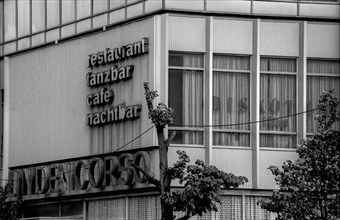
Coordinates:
[278,99]
[326,76]
[231,100]
[186,97]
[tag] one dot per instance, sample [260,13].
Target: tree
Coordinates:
[310,186]
[202,183]
[8,210]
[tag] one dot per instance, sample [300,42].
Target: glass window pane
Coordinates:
[23,17]
[83,8]
[317,84]
[23,44]
[38,15]
[277,141]
[1,23]
[68,11]
[99,6]
[323,66]
[116,3]
[188,137]
[10,20]
[53,15]
[132,1]
[186,95]
[84,25]
[278,100]
[231,105]
[38,39]
[231,62]
[187,60]
[231,100]
[68,30]
[231,139]
[117,15]
[52,35]
[10,48]
[278,64]
[100,21]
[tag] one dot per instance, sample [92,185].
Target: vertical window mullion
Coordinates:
[30,23]
[60,17]
[92,14]
[45,33]
[16,25]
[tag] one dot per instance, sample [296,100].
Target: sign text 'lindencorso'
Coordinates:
[115,74]
[80,176]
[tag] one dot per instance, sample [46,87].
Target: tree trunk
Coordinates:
[165,182]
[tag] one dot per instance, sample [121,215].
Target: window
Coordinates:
[23,18]
[68,11]
[100,6]
[10,20]
[278,100]
[231,100]
[83,8]
[116,3]
[321,75]
[53,10]
[186,97]
[38,15]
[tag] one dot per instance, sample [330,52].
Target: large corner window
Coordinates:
[231,110]
[278,102]
[186,97]
[322,75]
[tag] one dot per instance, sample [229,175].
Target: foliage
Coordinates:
[8,210]
[310,186]
[202,183]
[161,115]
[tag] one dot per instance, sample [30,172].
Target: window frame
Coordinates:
[199,129]
[249,73]
[273,132]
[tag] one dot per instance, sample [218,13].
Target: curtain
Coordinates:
[106,209]
[231,100]
[278,99]
[317,84]
[193,104]
[186,97]
[230,208]
[254,211]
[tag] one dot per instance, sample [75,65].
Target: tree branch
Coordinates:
[149,100]
[171,137]
[148,177]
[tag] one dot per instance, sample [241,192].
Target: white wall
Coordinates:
[47,98]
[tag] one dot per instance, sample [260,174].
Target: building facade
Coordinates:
[243,77]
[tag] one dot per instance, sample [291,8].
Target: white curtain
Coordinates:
[231,100]
[317,84]
[186,96]
[254,211]
[278,99]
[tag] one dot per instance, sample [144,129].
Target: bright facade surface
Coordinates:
[243,78]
